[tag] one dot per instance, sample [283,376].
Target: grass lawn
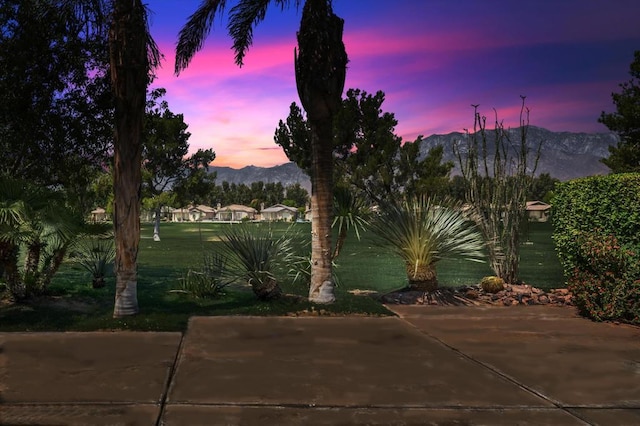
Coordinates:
[362,265]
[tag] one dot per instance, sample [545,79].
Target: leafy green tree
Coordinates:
[165,162]
[541,187]
[196,186]
[625,157]
[368,154]
[56,109]
[428,176]
[320,69]
[297,194]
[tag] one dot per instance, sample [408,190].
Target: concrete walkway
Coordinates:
[431,365]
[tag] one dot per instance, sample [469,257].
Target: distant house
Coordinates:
[193,214]
[538,211]
[98,215]
[279,212]
[236,212]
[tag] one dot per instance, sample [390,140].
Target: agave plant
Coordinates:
[423,232]
[254,256]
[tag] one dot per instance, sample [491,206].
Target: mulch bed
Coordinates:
[512,295]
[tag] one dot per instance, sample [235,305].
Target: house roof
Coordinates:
[203,208]
[278,208]
[98,210]
[237,208]
[537,206]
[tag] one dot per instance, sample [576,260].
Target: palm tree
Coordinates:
[133,54]
[320,67]
[34,221]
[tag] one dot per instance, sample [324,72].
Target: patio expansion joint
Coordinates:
[556,404]
[488,408]
[169,380]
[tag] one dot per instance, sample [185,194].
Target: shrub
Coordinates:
[606,279]
[95,254]
[208,282]
[609,204]
[255,256]
[597,234]
[422,232]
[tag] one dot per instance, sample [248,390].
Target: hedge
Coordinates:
[597,219]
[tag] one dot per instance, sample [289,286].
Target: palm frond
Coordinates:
[243,17]
[194,33]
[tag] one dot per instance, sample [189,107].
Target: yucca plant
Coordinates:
[423,232]
[255,256]
[95,254]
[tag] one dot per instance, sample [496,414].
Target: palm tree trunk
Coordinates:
[321,66]
[321,289]
[129,68]
[9,269]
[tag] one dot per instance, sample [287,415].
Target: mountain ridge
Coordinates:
[564,155]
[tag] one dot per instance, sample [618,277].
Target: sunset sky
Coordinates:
[432,58]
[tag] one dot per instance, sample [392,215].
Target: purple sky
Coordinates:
[432,58]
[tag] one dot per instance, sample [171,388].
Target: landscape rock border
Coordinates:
[512,295]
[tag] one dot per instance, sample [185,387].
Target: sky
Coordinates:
[433,59]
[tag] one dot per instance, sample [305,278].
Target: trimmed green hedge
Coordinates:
[595,218]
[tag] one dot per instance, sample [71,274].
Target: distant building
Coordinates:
[279,212]
[236,212]
[98,215]
[193,214]
[538,211]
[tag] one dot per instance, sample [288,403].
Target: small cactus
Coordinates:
[492,284]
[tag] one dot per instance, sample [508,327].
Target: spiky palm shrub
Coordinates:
[95,254]
[349,212]
[254,256]
[209,282]
[422,232]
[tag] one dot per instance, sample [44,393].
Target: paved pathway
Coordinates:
[431,365]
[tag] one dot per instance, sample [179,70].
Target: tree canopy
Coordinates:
[367,152]
[55,113]
[625,121]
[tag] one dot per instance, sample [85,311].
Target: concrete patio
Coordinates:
[430,365]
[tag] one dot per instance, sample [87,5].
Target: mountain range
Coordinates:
[564,155]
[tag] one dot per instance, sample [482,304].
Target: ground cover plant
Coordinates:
[363,266]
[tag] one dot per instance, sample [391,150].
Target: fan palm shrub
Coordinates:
[95,254]
[34,222]
[423,232]
[255,256]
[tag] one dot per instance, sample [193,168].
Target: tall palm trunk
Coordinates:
[321,65]
[321,289]
[129,69]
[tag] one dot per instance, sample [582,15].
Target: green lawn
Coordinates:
[362,265]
